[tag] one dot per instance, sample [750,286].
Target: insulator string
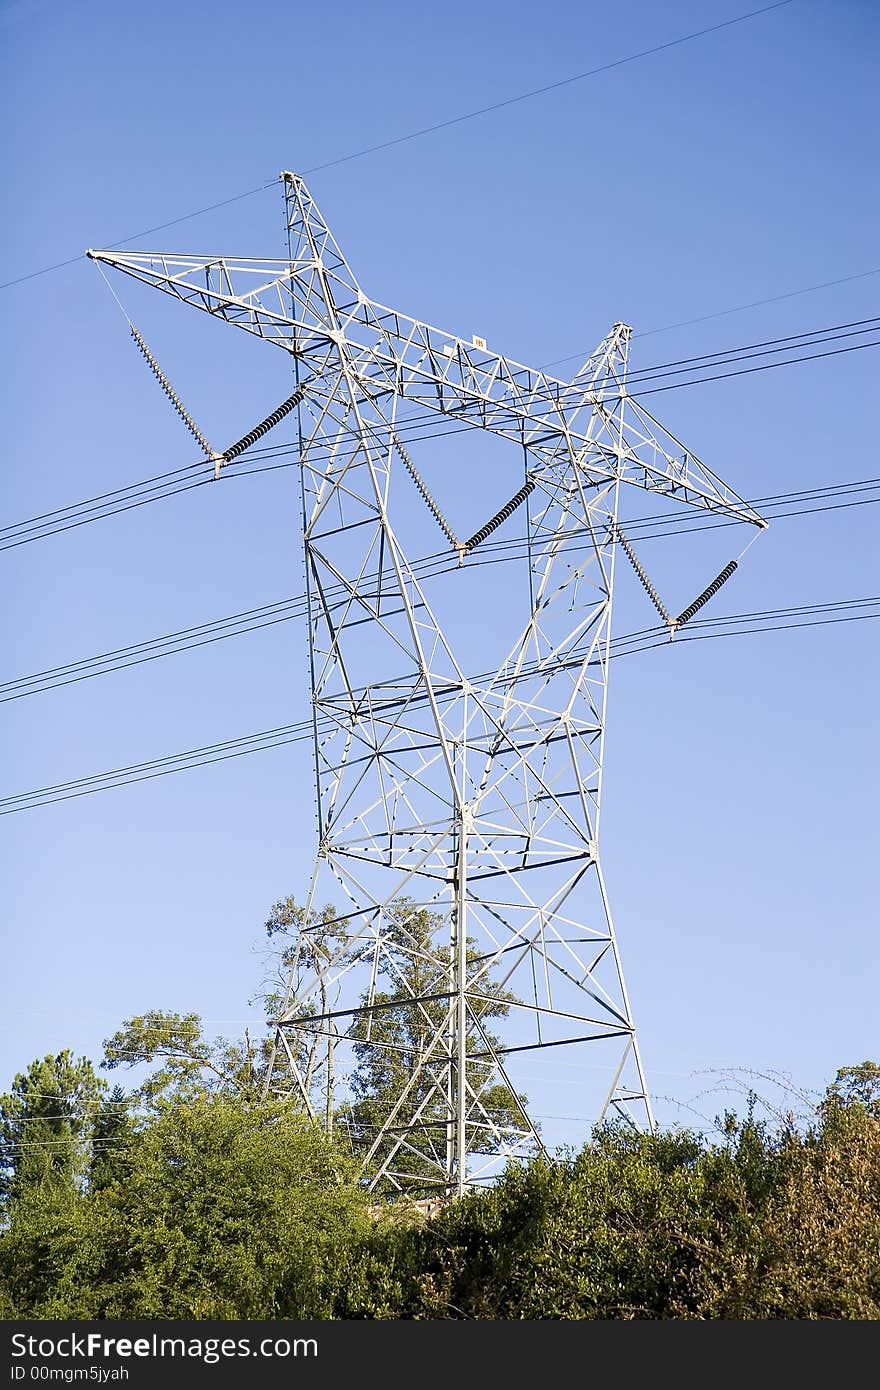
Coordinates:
[645,581]
[264,426]
[426,496]
[501,516]
[709,592]
[171,393]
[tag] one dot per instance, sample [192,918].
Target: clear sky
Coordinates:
[740,816]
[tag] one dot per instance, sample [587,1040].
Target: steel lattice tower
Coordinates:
[458,813]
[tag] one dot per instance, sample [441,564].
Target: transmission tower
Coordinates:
[470,951]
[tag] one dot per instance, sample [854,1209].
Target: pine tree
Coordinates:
[112,1137]
[46,1123]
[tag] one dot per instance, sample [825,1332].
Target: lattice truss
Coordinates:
[471,952]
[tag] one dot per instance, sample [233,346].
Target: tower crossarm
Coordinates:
[591,423]
[252,294]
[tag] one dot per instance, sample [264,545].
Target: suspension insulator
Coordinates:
[645,581]
[426,496]
[709,592]
[263,427]
[171,394]
[507,510]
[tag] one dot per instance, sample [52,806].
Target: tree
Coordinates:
[229,1209]
[389,1040]
[318,939]
[770,1223]
[226,1206]
[46,1124]
[112,1139]
[190,1065]
[824,1230]
[392,1077]
[855,1086]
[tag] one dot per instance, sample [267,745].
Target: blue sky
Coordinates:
[740,795]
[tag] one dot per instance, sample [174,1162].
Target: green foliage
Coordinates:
[856,1086]
[607,1234]
[407,1008]
[46,1121]
[825,1229]
[112,1136]
[317,941]
[190,1065]
[395,1034]
[226,1210]
[768,1225]
[204,1201]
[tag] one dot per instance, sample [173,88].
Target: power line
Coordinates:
[688,523]
[116,511]
[425,130]
[752,631]
[767,501]
[351,1125]
[137,652]
[432,565]
[549,87]
[769,620]
[184,479]
[133,769]
[794,342]
[766,367]
[735,309]
[101,496]
[148,231]
[687,515]
[287,609]
[760,303]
